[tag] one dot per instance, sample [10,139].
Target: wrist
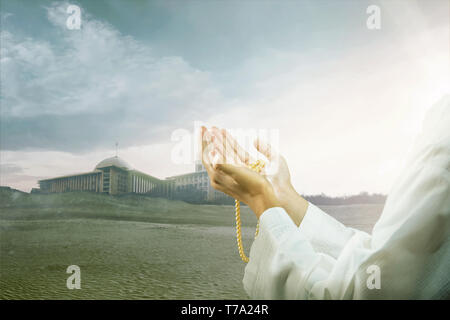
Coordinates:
[294,204]
[286,194]
[262,202]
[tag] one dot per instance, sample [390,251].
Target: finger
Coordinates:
[265,149]
[219,148]
[207,148]
[204,137]
[241,175]
[224,148]
[225,183]
[240,152]
[219,145]
[219,180]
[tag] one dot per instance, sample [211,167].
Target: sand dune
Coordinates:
[127,247]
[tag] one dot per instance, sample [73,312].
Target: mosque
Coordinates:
[115,176]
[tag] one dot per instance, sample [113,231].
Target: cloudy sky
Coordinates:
[347,101]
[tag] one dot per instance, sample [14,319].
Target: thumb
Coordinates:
[238,173]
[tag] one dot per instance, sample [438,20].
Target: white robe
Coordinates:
[406,257]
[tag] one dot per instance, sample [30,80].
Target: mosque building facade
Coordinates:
[115,176]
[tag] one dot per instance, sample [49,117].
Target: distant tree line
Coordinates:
[193,195]
[361,198]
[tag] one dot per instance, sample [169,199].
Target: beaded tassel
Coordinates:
[257,167]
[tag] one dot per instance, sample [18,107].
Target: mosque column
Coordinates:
[140,184]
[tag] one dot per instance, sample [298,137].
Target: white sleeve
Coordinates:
[406,257]
[325,233]
[284,264]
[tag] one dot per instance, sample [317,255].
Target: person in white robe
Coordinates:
[301,252]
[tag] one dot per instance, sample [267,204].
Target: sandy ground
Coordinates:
[128,248]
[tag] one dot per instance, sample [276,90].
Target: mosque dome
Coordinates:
[113,161]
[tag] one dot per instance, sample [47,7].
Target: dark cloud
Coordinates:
[92,87]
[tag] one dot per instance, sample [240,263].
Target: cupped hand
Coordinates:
[234,178]
[228,151]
